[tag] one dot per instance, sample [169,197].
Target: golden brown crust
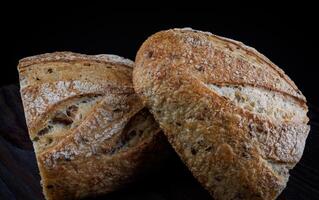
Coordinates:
[215,59]
[234,153]
[90,153]
[67,56]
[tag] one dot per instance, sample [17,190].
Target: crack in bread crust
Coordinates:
[62,120]
[263,102]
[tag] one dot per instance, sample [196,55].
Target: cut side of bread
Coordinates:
[90,132]
[235,119]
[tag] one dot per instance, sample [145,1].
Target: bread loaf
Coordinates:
[90,132]
[235,118]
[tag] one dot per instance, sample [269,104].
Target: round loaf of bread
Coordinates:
[235,119]
[90,132]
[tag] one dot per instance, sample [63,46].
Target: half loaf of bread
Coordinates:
[90,132]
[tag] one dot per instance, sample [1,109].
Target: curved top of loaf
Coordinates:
[49,79]
[68,56]
[218,60]
[64,66]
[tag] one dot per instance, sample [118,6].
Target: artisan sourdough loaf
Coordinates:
[91,133]
[235,119]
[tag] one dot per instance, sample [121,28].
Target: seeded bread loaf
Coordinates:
[236,120]
[90,132]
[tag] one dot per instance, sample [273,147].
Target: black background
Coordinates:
[286,35]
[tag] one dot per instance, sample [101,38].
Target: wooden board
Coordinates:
[19,178]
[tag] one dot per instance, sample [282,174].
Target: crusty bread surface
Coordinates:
[91,133]
[236,119]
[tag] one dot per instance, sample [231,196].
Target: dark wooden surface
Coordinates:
[19,178]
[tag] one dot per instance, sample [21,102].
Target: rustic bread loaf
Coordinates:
[90,131]
[236,120]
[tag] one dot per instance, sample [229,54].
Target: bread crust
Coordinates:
[234,153]
[67,56]
[87,159]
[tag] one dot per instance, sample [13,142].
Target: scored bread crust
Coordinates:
[101,148]
[185,76]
